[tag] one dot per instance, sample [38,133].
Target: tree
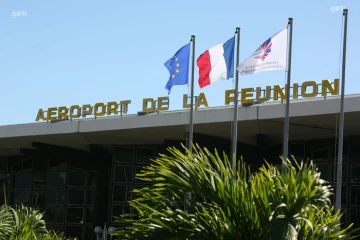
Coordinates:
[267,204]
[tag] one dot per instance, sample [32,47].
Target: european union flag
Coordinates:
[178,67]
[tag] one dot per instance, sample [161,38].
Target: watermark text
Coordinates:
[16,14]
[336,8]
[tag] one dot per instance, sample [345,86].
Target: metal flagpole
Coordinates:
[188,194]
[236,95]
[286,131]
[192,93]
[341,124]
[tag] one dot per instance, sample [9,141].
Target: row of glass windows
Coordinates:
[328,172]
[34,164]
[72,215]
[127,174]
[65,193]
[48,198]
[127,162]
[351,153]
[131,155]
[325,160]
[48,180]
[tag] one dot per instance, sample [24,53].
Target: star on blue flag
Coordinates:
[178,67]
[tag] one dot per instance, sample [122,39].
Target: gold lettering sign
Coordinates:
[51,113]
[74,108]
[229,96]
[112,107]
[75,111]
[125,105]
[201,100]
[40,115]
[86,110]
[312,85]
[308,89]
[163,104]
[267,94]
[246,96]
[150,104]
[63,112]
[186,104]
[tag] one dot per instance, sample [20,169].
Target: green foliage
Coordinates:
[52,235]
[27,223]
[267,204]
[22,223]
[6,221]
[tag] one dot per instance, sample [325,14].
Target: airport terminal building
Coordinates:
[81,171]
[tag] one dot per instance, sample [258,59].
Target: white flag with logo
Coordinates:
[271,55]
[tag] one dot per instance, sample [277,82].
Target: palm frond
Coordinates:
[266,204]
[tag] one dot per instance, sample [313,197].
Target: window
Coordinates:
[80,202]
[20,184]
[124,155]
[354,217]
[321,155]
[143,155]
[127,163]
[66,195]
[3,165]
[355,174]
[297,150]
[124,174]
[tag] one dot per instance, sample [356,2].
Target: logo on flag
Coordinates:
[271,55]
[264,50]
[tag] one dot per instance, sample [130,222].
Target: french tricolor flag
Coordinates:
[216,63]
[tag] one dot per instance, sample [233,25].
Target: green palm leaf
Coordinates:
[266,204]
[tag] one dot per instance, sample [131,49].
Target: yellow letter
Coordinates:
[228,97]
[267,94]
[295,91]
[201,100]
[112,107]
[326,85]
[51,114]
[125,106]
[40,115]
[163,103]
[86,110]
[246,92]
[185,101]
[78,111]
[152,105]
[314,91]
[277,91]
[96,108]
[63,112]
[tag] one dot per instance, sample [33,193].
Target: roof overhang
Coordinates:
[309,119]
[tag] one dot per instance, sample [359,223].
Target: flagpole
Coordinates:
[287,107]
[188,194]
[192,93]
[236,101]
[341,124]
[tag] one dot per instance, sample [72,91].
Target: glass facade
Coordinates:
[65,194]
[75,200]
[127,162]
[325,159]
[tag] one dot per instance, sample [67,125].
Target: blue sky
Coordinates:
[65,52]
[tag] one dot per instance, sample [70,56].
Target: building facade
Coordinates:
[81,172]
